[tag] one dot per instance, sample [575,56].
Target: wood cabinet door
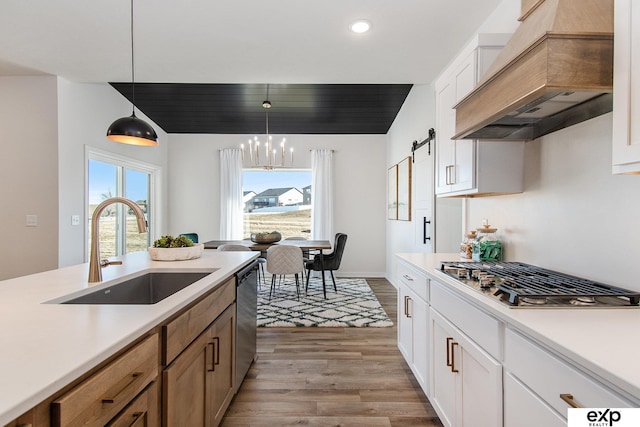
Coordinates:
[142,412]
[186,391]
[222,373]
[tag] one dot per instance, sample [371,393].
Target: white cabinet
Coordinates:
[413,324]
[543,380]
[467,381]
[520,400]
[468,167]
[626,87]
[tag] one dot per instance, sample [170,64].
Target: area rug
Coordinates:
[354,305]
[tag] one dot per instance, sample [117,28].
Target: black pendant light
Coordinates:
[132,130]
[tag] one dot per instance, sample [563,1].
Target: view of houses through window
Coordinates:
[277,200]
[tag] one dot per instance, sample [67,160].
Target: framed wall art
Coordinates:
[404,190]
[392,192]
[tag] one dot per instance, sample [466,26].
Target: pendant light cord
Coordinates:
[133,79]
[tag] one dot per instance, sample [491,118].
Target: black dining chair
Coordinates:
[331,261]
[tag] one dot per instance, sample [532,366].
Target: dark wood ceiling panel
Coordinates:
[296,109]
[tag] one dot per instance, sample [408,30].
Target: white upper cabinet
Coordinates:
[468,167]
[626,87]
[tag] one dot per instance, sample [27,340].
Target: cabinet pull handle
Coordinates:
[134,377]
[212,357]
[567,397]
[216,356]
[424,231]
[449,339]
[453,355]
[406,306]
[139,419]
[409,278]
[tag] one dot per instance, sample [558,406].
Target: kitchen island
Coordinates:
[539,360]
[46,345]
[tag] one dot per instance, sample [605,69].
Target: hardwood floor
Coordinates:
[332,377]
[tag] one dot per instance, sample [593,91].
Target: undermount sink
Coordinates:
[149,288]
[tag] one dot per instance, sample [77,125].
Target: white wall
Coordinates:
[574,215]
[412,123]
[360,190]
[29,175]
[85,111]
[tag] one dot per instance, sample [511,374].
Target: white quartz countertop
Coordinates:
[45,346]
[603,341]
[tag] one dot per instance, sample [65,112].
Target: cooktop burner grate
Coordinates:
[519,280]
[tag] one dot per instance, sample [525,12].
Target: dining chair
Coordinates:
[283,260]
[235,247]
[192,236]
[329,262]
[305,252]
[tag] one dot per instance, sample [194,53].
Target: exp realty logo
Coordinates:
[603,417]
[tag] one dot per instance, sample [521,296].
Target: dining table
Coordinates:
[304,245]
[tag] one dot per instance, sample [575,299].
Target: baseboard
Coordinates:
[355,274]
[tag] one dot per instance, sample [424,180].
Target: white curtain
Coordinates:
[231,215]
[322,194]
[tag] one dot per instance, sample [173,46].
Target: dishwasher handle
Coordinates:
[247,271]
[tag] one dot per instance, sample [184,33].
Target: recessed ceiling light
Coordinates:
[360,26]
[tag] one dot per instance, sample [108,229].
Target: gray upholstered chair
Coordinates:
[305,252]
[331,261]
[283,260]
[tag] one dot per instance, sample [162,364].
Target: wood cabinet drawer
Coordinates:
[548,376]
[414,280]
[485,330]
[181,331]
[144,411]
[98,399]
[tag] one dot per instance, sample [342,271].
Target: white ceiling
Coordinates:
[236,41]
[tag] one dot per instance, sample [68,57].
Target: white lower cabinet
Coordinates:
[552,381]
[467,381]
[523,408]
[413,324]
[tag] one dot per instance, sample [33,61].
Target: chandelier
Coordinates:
[263,154]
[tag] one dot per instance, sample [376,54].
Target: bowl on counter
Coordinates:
[271,237]
[176,254]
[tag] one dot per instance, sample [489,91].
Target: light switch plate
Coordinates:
[32,220]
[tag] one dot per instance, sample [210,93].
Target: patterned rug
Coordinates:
[354,305]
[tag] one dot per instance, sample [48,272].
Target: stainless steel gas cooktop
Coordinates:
[522,285]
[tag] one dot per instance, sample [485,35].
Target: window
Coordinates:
[109,176]
[277,201]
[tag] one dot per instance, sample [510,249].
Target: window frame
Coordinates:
[120,161]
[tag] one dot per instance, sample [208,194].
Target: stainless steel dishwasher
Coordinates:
[246,308]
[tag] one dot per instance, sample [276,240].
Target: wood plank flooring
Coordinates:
[332,377]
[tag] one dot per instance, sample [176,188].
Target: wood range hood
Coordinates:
[555,71]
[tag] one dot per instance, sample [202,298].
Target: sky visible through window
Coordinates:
[103,181]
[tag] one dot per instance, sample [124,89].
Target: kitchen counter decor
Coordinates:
[268,237]
[169,248]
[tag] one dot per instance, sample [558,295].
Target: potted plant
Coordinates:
[169,248]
